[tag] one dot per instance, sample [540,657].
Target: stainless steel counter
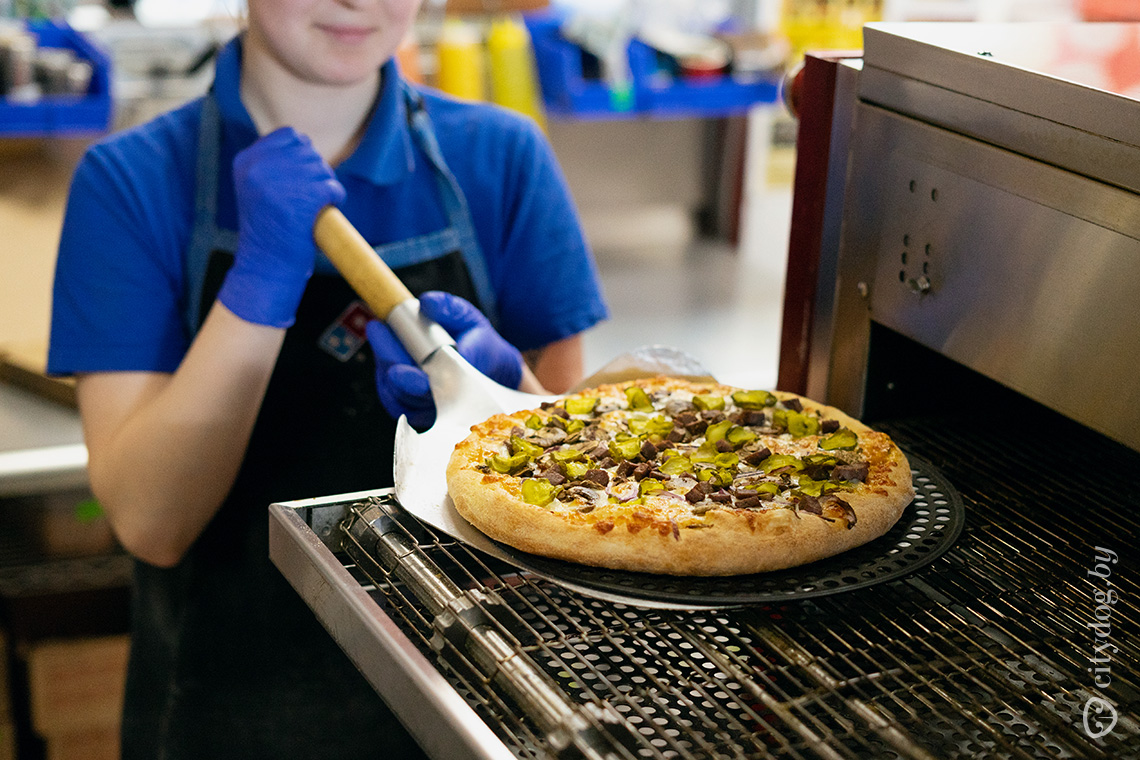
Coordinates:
[41,445]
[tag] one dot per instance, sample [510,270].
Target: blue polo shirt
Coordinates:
[119,281]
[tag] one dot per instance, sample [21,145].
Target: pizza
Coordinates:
[667,475]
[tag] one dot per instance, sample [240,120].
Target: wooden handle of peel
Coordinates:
[366,272]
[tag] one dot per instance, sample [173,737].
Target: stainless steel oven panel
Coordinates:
[1017,269]
[823,329]
[1110,160]
[1008,85]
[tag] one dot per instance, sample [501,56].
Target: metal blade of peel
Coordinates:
[463,395]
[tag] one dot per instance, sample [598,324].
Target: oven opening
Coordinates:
[907,379]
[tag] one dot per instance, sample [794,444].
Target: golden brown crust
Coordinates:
[663,534]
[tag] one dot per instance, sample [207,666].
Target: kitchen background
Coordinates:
[681,167]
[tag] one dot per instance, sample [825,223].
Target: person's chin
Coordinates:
[351,75]
[339,69]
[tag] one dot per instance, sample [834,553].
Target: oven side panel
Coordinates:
[823,94]
[1021,271]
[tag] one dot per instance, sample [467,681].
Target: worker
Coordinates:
[222,364]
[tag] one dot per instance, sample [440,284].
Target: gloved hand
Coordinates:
[281,185]
[403,387]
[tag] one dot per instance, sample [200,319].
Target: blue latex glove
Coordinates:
[403,387]
[281,185]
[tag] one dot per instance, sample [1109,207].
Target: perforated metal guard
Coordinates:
[928,527]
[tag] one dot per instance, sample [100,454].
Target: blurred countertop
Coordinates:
[41,437]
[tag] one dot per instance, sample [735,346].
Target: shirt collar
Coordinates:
[385,154]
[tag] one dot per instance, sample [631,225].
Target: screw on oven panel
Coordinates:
[920,285]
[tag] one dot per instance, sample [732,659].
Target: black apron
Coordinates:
[226,660]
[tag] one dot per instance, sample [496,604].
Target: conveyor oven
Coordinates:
[963,271]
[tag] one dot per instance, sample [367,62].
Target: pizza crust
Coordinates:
[663,535]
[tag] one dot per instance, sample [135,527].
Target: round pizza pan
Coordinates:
[928,527]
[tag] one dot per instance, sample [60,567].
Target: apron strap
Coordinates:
[454,202]
[205,236]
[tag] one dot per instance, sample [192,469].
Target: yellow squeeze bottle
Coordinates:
[513,79]
[460,59]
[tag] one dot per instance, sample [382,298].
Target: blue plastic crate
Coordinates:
[661,93]
[63,114]
[568,92]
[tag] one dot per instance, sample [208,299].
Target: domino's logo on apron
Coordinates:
[346,335]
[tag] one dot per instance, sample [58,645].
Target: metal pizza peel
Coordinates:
[463,395]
